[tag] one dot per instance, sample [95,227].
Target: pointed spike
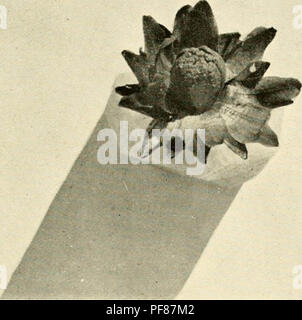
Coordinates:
[274,92]
[260,36]
[237,147]
[138,65]
[182,12]
[275,84]
[255,32]
[128,89]
[251,76]
[207,153]
[268,137]
[227,42]
[251,49]
[180,21]
[155,34]
[154,95]
[273,102]
[196,27]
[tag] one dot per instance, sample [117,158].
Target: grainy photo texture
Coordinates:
[156,150]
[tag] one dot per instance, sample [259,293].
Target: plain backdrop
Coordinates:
[58,62]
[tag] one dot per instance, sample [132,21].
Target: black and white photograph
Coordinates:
[150,150]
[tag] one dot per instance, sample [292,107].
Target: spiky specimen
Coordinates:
[239,116]
[217,78]
[251,49]
[164,52]
[195,27]
[274,92]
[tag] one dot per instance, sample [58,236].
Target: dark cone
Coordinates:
[237,147]
[180,21]
[155,34]
[268,137]
[274,92]
[196,27]
[128,89]
[251,49]
[207,153]
[138,65]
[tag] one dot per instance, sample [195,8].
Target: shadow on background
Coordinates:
[115,232]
